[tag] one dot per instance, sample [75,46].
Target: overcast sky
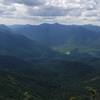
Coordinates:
[51,11]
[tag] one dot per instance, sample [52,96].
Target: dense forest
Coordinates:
[49,62]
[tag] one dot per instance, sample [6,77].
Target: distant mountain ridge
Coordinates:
[22,47]
[62,37]
[57,34]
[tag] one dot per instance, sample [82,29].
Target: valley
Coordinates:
[49,62]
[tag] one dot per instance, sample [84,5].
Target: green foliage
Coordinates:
[49,80]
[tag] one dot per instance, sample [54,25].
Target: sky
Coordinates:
[50,11]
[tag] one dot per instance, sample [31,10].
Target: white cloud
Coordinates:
[51,10]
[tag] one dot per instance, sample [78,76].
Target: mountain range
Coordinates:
[22,47]
[63,38]
[49,62]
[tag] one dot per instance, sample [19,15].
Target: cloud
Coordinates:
[49,10]
[25,2]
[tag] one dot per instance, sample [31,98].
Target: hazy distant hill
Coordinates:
[86,38]
[20,46]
